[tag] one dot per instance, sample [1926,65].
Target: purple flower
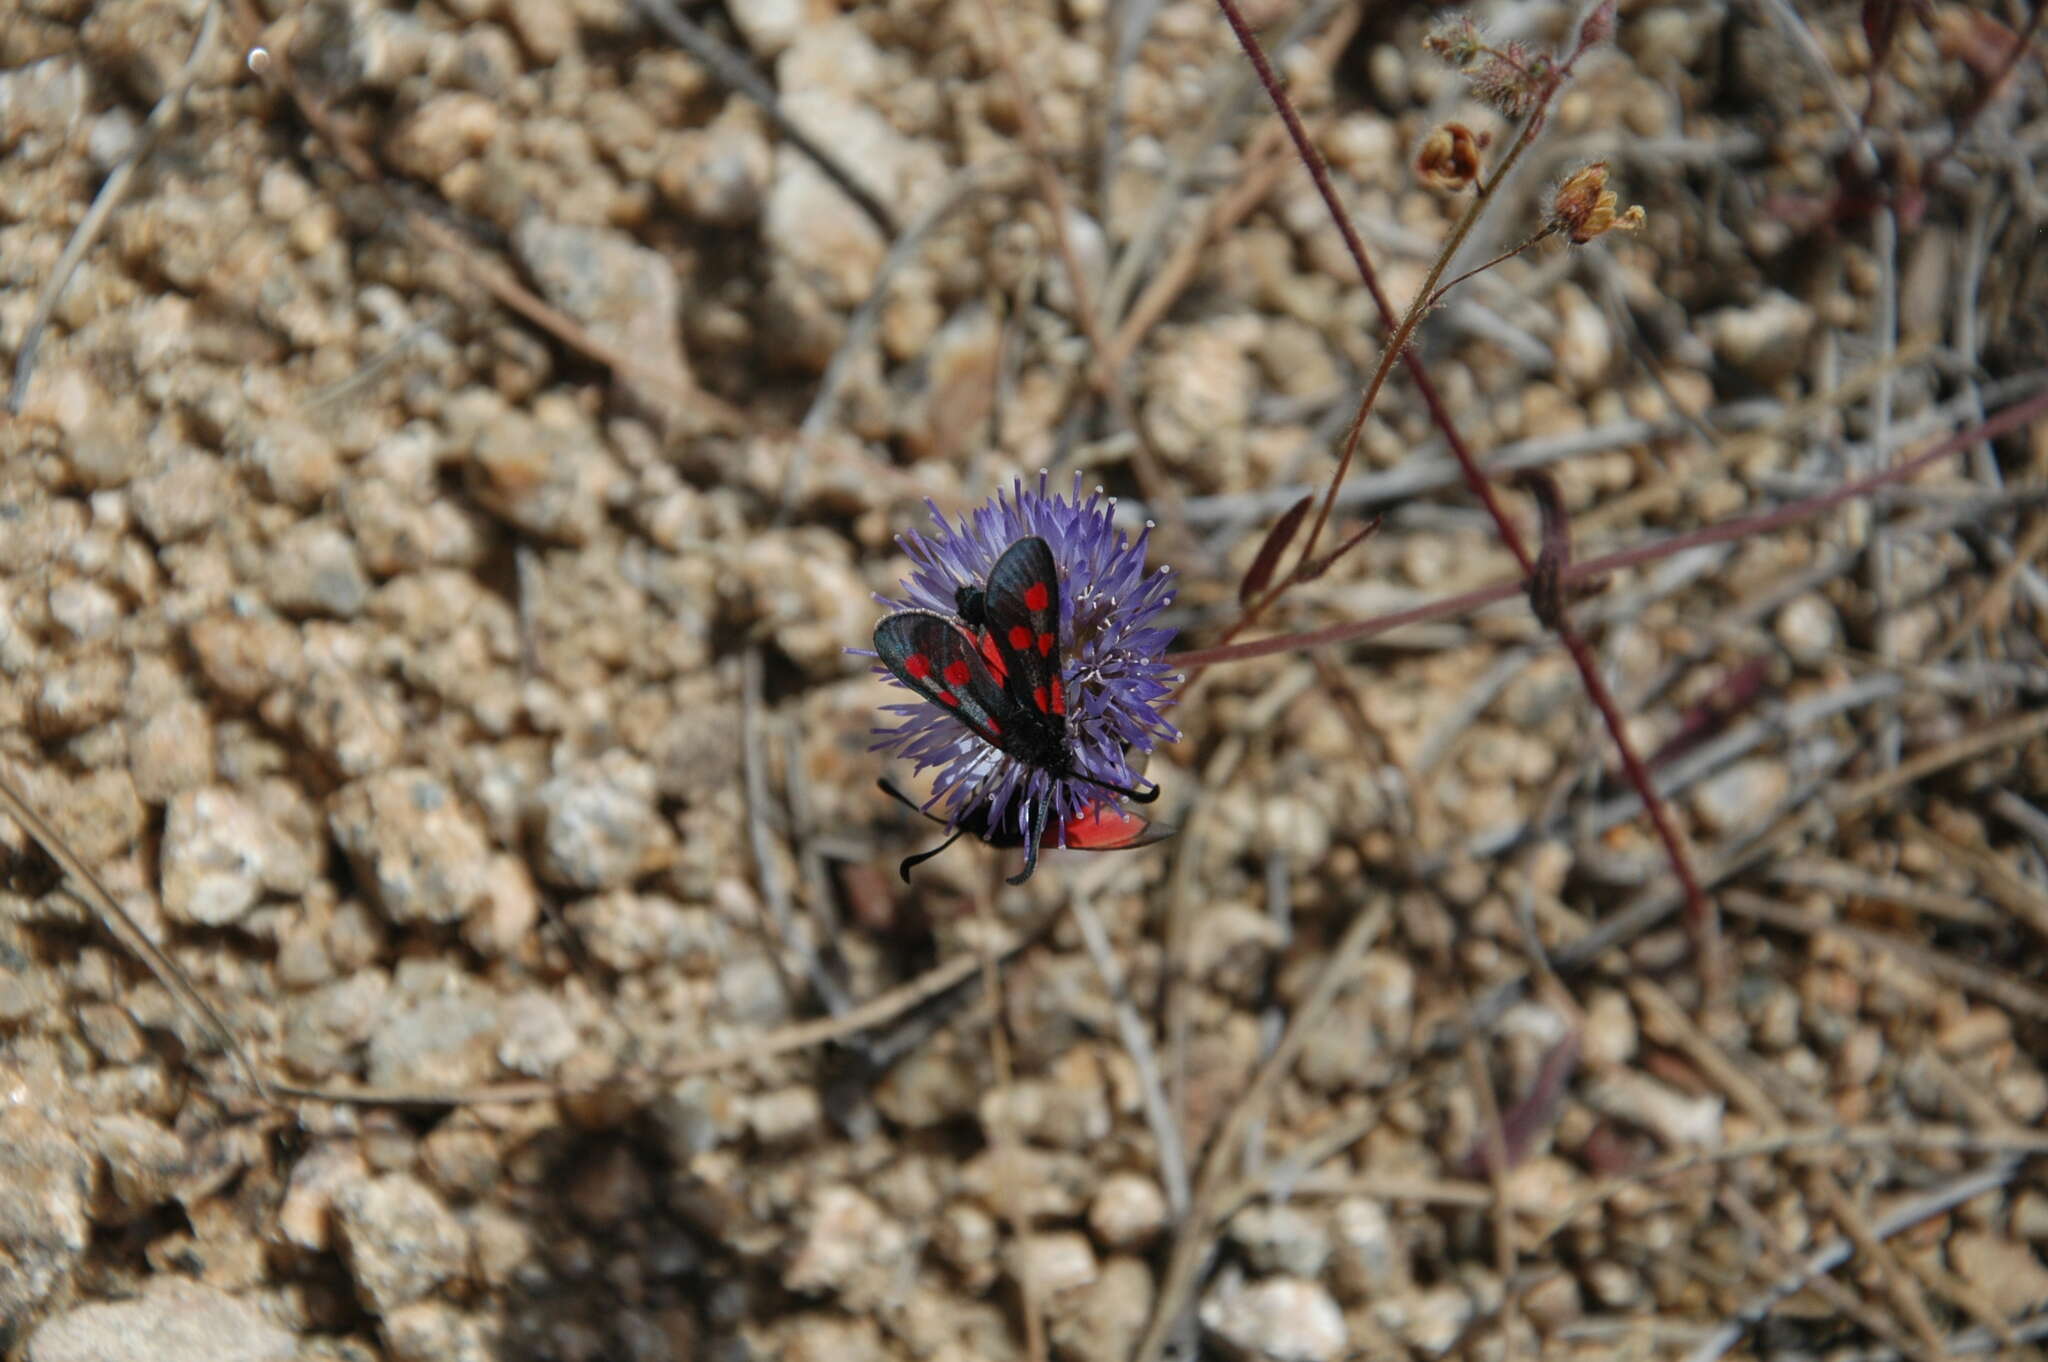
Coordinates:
[1116,682]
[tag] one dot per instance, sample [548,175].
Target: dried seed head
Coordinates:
[1449,158]
[1584,207]
[1456,40]
[1598,27]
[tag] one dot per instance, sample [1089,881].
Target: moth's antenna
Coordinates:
[909,862]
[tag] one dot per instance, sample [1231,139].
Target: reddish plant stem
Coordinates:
[1700,917]
[1792,513]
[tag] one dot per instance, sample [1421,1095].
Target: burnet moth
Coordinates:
[997,669]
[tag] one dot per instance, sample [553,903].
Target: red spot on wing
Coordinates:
[994,657]
[1037,597]
[1045,643]
[1038,698]
[1059,697]
[918,665]
[1020,637]
[995,730]
[949,698]
[957,672]
[1104,827]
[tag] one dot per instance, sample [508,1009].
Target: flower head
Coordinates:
[1449,158]
[1583,207]
[1111,654]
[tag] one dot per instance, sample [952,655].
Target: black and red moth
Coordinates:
[997,669]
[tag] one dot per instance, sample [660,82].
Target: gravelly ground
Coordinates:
[439,509]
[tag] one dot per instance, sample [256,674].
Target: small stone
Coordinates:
[1553,1303]
[537,1035]
[447,130]
[245,658]
[1766,340]
[1370,1261]
[549,478]
[305,1214]
[932,1085]
[1809,627]
[769,26]
[45,1190]
[2030,1215]
[171,751]
[599,829]
[1103,1321]
[1281,1238]
[1741,796]
[1610,1035]
[398,1240]
[173,1320]
[850,1249]
[1128,1211]
[415,848]
[1280,1319]
[186,497]
[718,174]
[626,294]
[461,1160]
[84,610]
[220,855]
[143,1161]
[1430,1321]
[323,1028]
[786,1115]
[432,1331]
[81,695]
[1584,345]
[438,1031]
[1679,1121]
[1053,1263]
[546,28]
[314,570]
[1616,1286]
[354,724]
[626,932]
[297,462]
[1230,947]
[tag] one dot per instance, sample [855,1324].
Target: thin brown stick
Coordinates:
[1729,531]
[1701,919]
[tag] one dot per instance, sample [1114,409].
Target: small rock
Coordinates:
[314,570]
[84,610]
[186,497]
[550,478]
[599,829]
[47,97]
[1766,340]
[626,931]
[347,719]
[1103,1321]
[1584,346]
[1280,1319]
[1553,1303]
[448,129]
[719,174]
[1128,1211]
[786,1115]
[170,750]
[1809,627]
[930,1086]
[1283,1239]
[1370,1261]
[546,28]
[1609,1036]
[438,1031]
[414,847]
[305,1214]
[173,1320]
[1230,946]
[1430,1321]
[220,855]
[323,1028]
[769,26]
[1055,1263]
[627,295]
[1741,796]
[1616,1286]
[143,1160]
[297,462]
[851,1249]
[2030,1215]
[537,1034]
[45,1190]
[431,1331]
[1679,1121]
[398,1240]
[245,658]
